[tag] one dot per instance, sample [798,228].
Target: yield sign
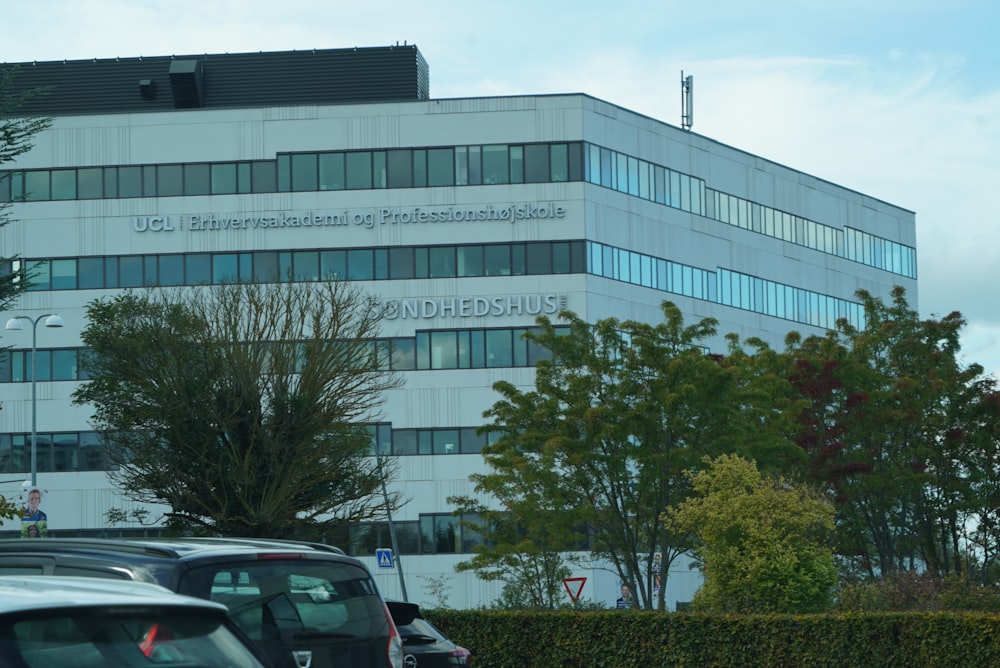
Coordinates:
[574,587]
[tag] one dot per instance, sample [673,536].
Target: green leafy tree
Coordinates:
[599,447]
[900,433]
[240,407]
[763,544]
[16,134]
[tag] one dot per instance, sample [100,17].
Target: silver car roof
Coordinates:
[23,593]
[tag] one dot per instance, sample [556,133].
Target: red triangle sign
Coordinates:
[576,584]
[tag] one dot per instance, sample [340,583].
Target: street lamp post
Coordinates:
[51,320]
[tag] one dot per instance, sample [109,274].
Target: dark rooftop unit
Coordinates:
[212,81]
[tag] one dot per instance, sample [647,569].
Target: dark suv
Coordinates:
[305,604]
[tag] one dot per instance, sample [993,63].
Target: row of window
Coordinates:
[83,451]
[456,166]
[742,291]
[848,243]
[353,264]
[306,172]
[426,350]
[532,258]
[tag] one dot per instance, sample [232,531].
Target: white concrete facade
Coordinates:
[441,398]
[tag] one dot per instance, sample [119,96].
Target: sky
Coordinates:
[897,99]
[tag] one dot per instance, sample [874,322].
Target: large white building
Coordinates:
[475,214]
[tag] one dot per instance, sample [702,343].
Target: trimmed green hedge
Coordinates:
[616,639]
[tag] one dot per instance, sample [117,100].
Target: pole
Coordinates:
[34,401]
[392,526]
[52,320]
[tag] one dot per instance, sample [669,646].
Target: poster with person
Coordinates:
[34,521]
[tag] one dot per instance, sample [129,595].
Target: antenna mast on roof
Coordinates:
[687,100]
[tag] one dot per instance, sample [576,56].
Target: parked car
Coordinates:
[304,604]
[86,623]
[424,646]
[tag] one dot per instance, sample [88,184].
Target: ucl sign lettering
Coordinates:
[152,224]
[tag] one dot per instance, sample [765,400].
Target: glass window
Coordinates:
[419,168]
[461,165]
[536,163]
[65,451]
[63,184]
[64,274]
[90,273]
[446,441]
[331,171]
[199,269]
[333,264]
[400,168]
[359,264]
[265,267]
[378,169]
[442,261]
[359,170]
[305,265]
[401,263]
[263,176]
[304,172]
[196,179]
[440,167]
[224,178]
[130,271]
[39,275]
[404,441]
[169,180]
[559,157]
[90,183]
[499,348]
[516,164]
[404,354]
[475,166]
[130,181]
[538,256]
[444,352]
[171,270]
[36,185]
[470,261]
[225,268]
[495,164]
[471,442]
[496,260]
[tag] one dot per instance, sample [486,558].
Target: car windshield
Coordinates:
[123,636]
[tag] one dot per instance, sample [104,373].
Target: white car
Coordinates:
[71,622]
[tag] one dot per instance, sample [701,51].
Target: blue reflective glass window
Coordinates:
[198,269]
[360,265]
[333,265]
[197,179]
[64,274]
[305,265]
[169,180]
[225,268]
[401,263]
[90,183]
[90,273]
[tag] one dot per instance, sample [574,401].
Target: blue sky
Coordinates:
[898,99]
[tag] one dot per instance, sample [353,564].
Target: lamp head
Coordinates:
[54,320]
[14,324]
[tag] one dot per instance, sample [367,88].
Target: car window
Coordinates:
[122,636]
[285,599]
[419,630]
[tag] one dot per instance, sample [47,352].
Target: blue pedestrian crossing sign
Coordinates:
[383,556]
